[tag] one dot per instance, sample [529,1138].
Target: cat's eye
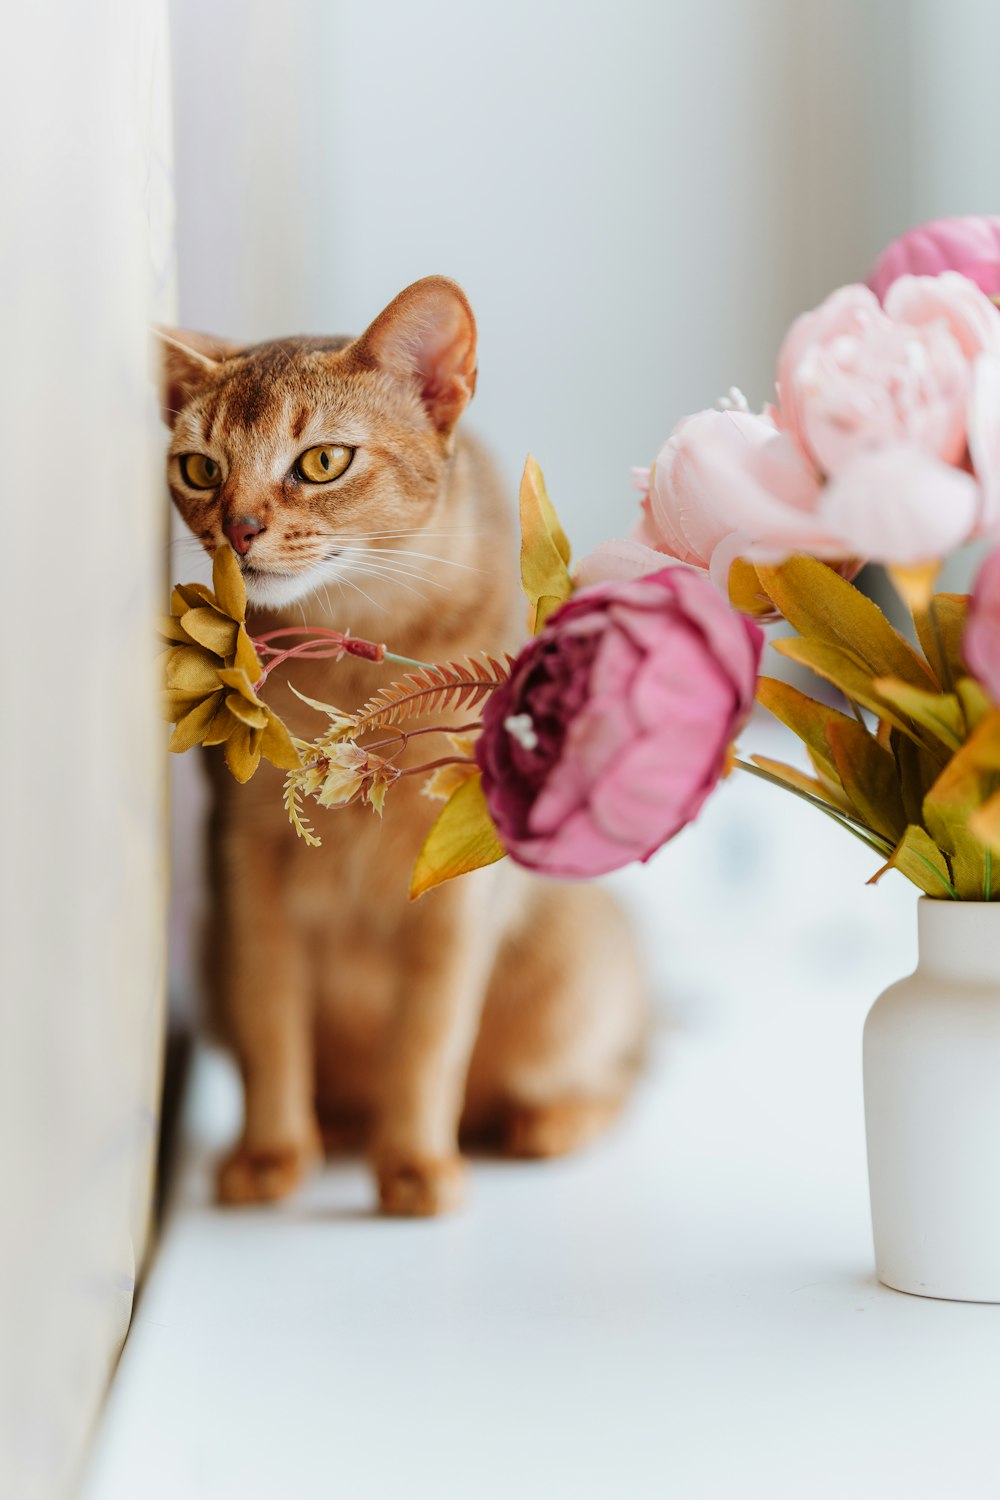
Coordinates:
[320,465]
[200,472]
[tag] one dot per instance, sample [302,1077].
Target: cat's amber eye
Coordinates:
[199,472]
[319,465]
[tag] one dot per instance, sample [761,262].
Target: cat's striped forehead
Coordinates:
[270,392]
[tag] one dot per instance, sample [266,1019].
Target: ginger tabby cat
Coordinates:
[497,1003]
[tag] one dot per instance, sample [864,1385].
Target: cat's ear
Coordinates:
[186,361]
[428,333]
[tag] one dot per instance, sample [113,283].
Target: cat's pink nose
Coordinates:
[241,531]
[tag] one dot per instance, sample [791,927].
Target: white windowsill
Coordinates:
[688,1310]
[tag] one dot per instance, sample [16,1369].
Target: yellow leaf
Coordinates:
[869,776]
[966,784]
[545,551]
[251,714]
[170,628]
[985,824]
[915,583]
[825,791]
[230,590]
[446,779]
[804,717]
[276,744]
[824,607]
[210,629]
[243,752]
[918,858]
[191,669]
[246,659]
[975,702]
[237,679]
[191,730]
[842,669]
[940,630]
[745,591]
[463,838]
[941,713]
[221,727]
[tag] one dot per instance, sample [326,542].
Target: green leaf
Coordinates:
[918,858]
[966,784]
[940,630]
[462,838]
[941,713]
[868,774]
[985,824]
[805,717]
[825,791]
[975,701]
[825,608]
[545,551]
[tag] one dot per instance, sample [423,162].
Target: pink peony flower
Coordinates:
[982,634]
[616,722]
[969,245]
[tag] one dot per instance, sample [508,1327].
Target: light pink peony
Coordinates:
[982,634]
[970,245]
[616,722]
[885,445]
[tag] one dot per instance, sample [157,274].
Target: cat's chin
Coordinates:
[276,590]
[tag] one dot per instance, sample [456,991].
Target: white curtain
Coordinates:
[86,257]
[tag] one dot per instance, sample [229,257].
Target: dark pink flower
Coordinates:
[969,244]
[616,722]
[982,634]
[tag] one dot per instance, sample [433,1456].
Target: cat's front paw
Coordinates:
[258,1175]
[416,1186]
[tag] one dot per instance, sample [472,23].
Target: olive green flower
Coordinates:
[210,671]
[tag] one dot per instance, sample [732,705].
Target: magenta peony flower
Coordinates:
[970,245]
[982,634]
[616,722]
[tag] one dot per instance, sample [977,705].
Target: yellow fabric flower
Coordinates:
[210,671]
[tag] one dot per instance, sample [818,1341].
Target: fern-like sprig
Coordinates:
[449,685]
[293,807]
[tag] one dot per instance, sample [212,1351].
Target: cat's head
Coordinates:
[307,453]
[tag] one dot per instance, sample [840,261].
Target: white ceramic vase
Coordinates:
[932,1110]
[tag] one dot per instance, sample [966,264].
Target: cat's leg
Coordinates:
[447,953]
[564,1025]
[267,1013]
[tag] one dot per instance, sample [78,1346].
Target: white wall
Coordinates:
[86,260]
[637,196]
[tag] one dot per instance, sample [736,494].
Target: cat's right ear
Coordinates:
[426,335]
[185,362]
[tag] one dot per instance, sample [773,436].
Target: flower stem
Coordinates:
[860,831]
[406,661]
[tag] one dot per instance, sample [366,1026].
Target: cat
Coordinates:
[498,1002]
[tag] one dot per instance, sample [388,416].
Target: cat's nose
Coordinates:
[241,531]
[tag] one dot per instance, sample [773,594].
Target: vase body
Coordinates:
[932,1110]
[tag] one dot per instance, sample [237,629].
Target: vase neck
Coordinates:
[960,939]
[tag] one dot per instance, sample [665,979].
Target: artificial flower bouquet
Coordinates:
[603,737]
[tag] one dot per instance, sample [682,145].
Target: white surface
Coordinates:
[688,1310]
[931,1063]
[86,261]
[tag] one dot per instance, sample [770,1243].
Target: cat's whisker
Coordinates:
[447,562]
[394,579]
[361,558]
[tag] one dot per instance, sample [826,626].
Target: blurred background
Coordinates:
[637,196]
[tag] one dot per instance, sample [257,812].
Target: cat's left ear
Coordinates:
[185,362]
[428,333]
